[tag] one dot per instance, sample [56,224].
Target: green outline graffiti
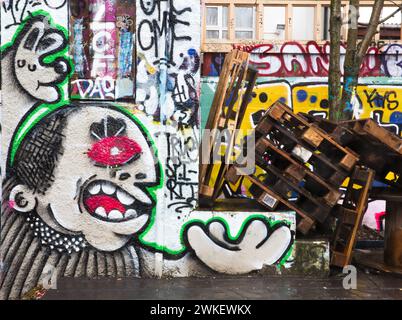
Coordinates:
[226,224]
[45,108]
[266,219]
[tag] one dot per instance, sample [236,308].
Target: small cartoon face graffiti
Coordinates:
[101,179]
[36,42]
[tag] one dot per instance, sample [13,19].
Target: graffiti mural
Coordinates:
[103,50]
[34,71]
[77,186]
[293,59]
[19,10]
[168,60]
[93,189]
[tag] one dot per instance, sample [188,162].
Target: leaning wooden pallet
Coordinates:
[228,107]
[273,187]
[269,155]
[350,214]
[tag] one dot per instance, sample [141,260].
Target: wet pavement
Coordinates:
[369,286]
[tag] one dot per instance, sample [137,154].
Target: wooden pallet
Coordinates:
[318,139]
[378,148]
[327,168]
[370,128]
[286,178]
[233,93]
[268,156]
[350,214]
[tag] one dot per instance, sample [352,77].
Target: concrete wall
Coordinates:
[103,188]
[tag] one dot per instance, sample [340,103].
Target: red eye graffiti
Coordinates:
[114,151]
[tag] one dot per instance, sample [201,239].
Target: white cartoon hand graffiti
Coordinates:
[38,78]
[257,245]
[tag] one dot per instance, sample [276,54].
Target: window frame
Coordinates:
[301,5]
[225,45]
[254,22]
[267,5]
[220,27]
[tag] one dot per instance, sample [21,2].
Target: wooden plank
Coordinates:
[393,234]
[312,136]
[349,221]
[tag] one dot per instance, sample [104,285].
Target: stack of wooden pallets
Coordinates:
[301,162]
[380,155]
[304,166]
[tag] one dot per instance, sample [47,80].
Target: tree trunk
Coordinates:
[351,65]
[334,76]
[354,58]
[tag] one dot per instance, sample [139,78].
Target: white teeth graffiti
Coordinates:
[108,188]
[115,215]
[131,213]
[141,195]
[124,197]
[108,202]
[94,189]
[101,211]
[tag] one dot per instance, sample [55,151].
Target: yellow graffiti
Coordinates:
[306,98]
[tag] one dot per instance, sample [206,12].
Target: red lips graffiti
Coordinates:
[112,151]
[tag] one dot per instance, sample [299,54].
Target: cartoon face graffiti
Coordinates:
[85,170]
[38,78]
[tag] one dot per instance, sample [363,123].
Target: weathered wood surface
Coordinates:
[232,95]
[350,214]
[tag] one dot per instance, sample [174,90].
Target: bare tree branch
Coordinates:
[371,30]
[390,16]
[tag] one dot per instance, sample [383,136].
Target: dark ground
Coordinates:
[369,286]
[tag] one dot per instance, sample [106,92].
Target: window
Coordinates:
[244,22]
[217,22]
[280,20]
[325,20]
[274,22]
[103,50]
[303,23]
